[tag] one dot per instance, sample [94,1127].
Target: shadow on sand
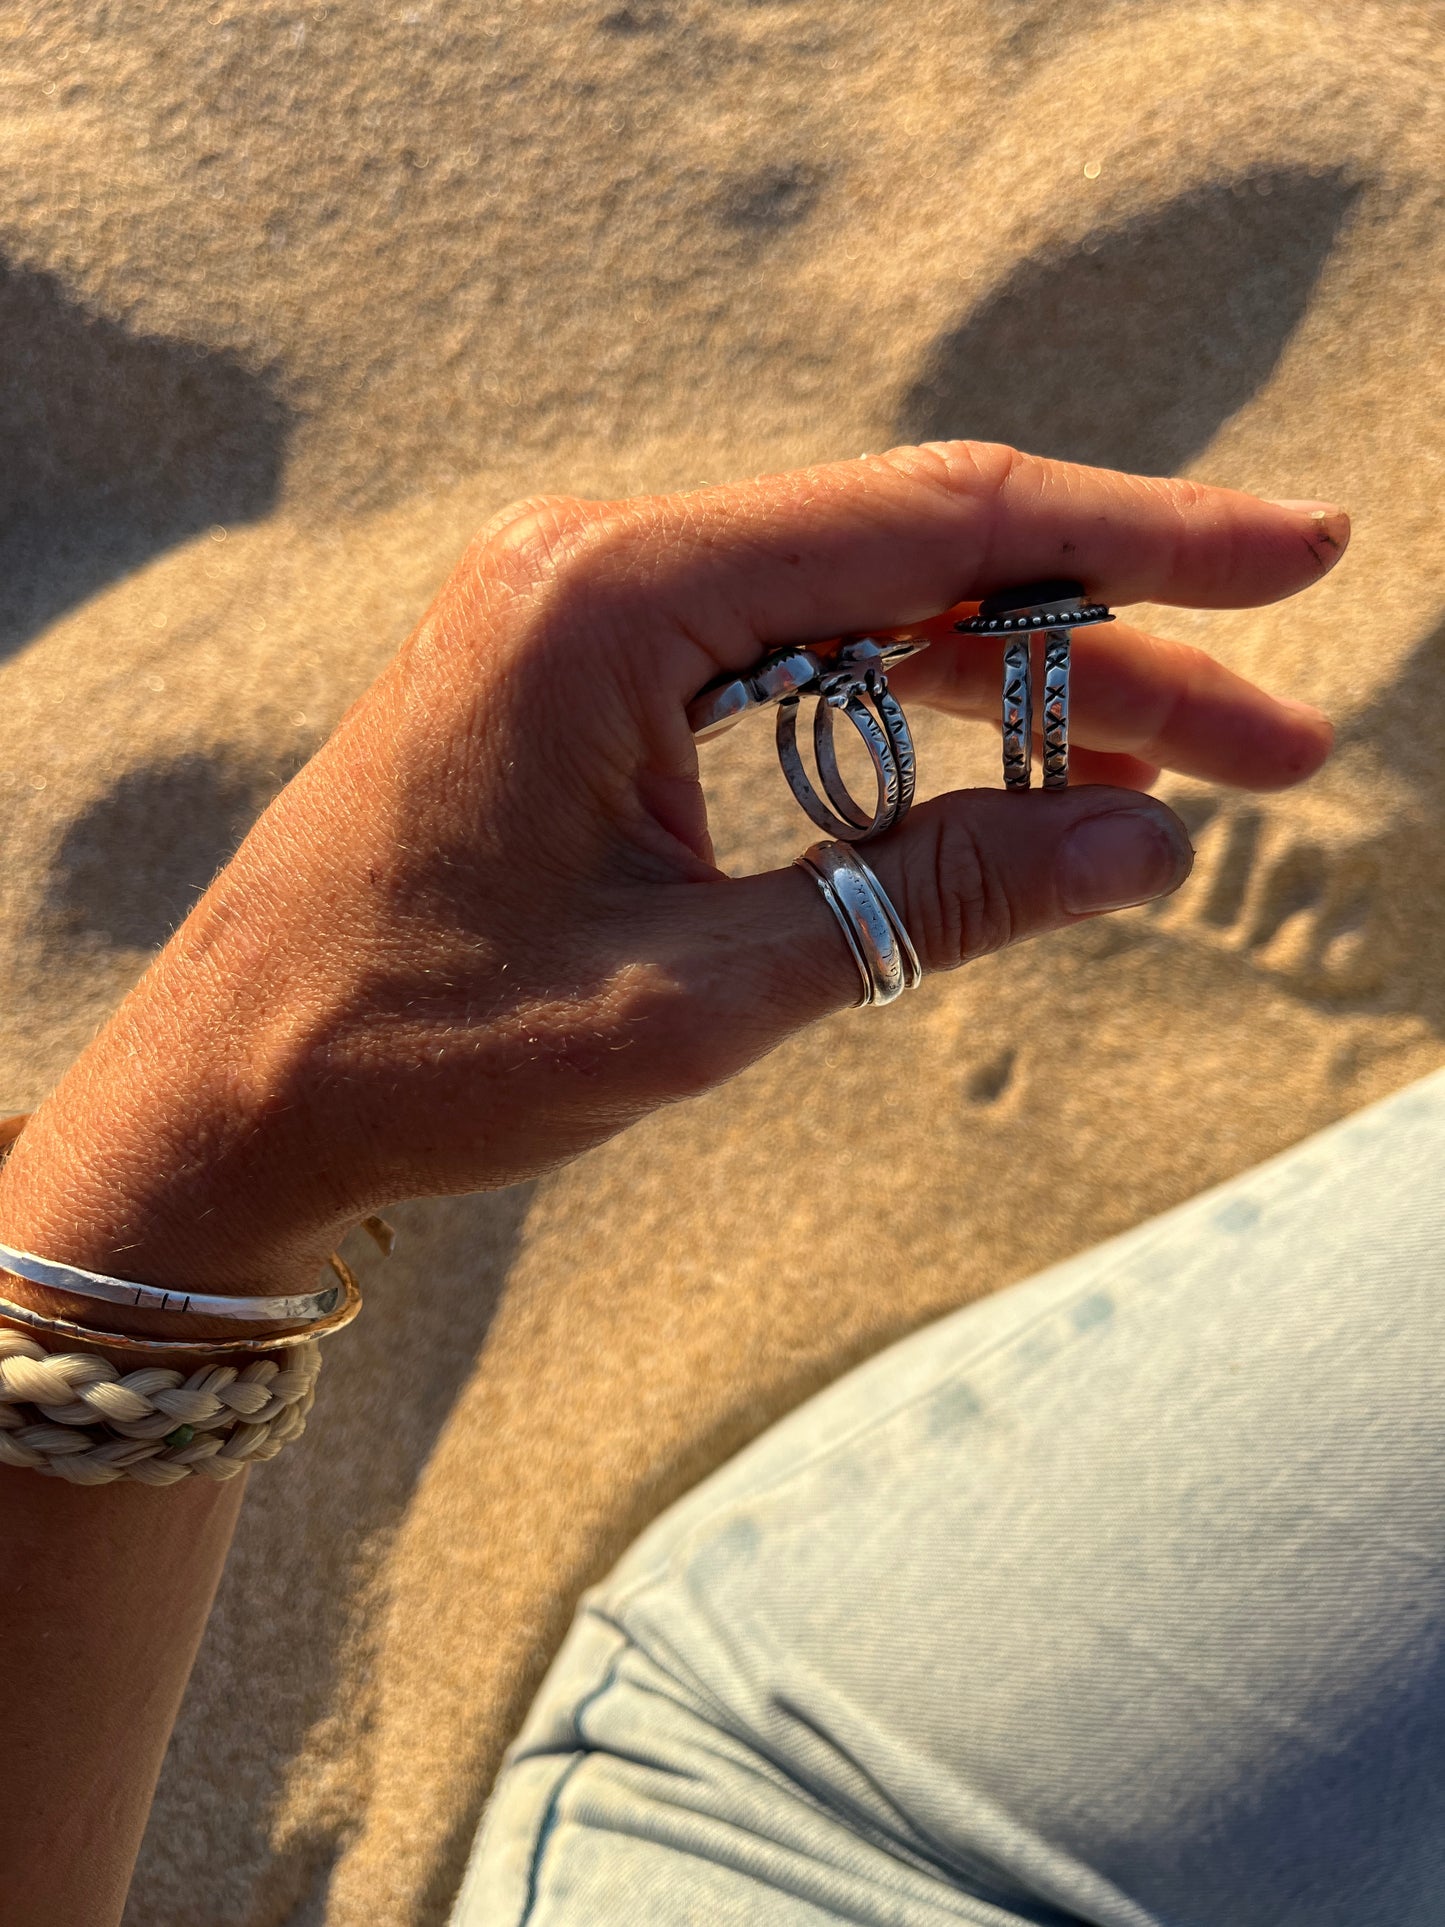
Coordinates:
[1103,353]
[114,446]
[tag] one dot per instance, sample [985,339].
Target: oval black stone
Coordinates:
[1029,595]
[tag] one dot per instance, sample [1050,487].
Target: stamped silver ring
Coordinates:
[847,678]
[874,932]
[1057,608]
[1018,715]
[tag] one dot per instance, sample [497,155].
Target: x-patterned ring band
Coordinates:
[847,678]
[877,939]
[879,720]
[1057,608]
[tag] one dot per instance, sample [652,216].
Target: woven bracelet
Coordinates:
[76,1416]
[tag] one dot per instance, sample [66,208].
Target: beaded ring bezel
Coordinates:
[1080,618]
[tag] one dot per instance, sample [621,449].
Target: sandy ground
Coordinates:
[290,299]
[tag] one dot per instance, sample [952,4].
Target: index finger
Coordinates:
[891,539]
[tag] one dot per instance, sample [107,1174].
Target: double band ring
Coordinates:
[1056,608]
[874,932]
[885,734]
[847,678]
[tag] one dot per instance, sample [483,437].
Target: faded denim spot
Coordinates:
[734,1546]
[1096,1309]
[1038,1349]
[952,1407]
[1240,1214]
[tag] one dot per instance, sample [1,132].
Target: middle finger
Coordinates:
[1130,693]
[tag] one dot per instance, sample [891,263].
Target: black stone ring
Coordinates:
[1057,608]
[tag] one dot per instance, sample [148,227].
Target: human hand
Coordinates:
[482,929]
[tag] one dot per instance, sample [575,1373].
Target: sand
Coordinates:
[291,298]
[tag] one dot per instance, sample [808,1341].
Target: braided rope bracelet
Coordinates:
[77,1417]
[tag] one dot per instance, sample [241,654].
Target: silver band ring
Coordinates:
[886,737]
[825,755]
[877,940]
[1018,715]
[850,824]
[1056,709]
[912,967]
[901,737]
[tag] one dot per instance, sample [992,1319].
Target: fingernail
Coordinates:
[1125,857]
[1305,711]
[1328,533]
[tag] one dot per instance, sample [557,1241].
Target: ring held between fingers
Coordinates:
[1167,703]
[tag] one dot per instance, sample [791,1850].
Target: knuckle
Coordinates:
[547,568]
[965,909]
[979,469]
[569,546]
[524,559]
[1191,507]
[536,540]
[1185,496]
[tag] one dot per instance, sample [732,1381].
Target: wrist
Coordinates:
[167,1155]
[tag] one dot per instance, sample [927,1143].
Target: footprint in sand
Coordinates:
[1097,350]
[1285,888]
[1332,889]
[131,865]
[1101,352]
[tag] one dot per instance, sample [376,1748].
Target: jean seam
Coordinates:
[548,1823]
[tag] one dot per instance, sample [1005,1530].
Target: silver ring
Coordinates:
[851,822]
[1056,608]
[886,737]
[901,737]
[1018,715]
[1056,709]
[825,755]
[877,940]
[900,764]
[848,676]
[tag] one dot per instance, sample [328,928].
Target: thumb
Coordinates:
[968,873]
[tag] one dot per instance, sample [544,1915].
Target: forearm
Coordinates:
[104,1594]
[168,1151]
[142,1163]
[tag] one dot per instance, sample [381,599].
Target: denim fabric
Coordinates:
[1117,1597]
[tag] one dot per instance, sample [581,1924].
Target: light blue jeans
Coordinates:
[1118,1597]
